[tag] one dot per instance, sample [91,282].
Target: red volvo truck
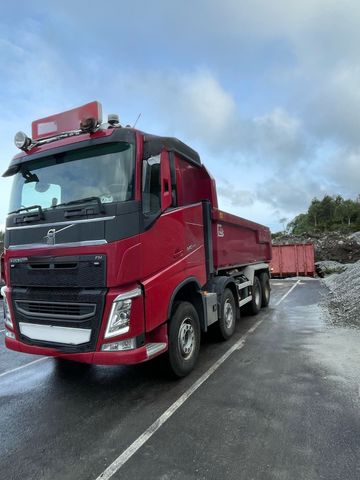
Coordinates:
[115,249]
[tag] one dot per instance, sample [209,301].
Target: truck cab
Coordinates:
[109,235]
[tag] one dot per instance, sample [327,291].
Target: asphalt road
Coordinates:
[280,400]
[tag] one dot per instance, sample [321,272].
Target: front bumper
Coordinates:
[129,357]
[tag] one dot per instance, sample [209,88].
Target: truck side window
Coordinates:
[151,185]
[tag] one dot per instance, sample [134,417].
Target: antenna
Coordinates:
[137,120]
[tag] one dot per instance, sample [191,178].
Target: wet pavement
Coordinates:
[283,405]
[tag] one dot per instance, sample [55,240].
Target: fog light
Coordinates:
[119,318]
[128,344]
[9,334]
[7,314]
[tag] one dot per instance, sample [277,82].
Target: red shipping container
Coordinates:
[293,260]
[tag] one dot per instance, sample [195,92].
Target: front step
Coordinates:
[154,348]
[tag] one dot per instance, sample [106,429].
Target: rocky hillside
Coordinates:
[334,246]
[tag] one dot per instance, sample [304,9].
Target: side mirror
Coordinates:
[166,196]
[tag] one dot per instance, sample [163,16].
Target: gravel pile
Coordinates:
[334,246]
[343,298]
[355,236]
[326,267]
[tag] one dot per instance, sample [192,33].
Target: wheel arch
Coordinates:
[189,290]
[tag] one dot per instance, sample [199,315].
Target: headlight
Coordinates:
[119,318]
[7,314]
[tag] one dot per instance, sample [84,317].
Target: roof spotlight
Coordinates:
[88,124]
[22,141]
[113,119]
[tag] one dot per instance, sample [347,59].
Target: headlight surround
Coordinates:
[119,318]
[123,345]
[7,314]
[10,334]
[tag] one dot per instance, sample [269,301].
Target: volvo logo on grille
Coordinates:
[50,237]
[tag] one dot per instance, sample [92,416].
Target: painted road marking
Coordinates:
[287,293]
[23,366]
[149,432]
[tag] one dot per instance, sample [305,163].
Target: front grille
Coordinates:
[76,308]
[60,310]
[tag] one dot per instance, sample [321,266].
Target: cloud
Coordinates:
[343,170]
[333,107]
[292,193]
[270,89]
[191,103]
[236,196]
[280,137]
[195,106]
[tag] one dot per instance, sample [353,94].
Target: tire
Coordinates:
[255,304]
[227,322]
[184,339]
[265,289]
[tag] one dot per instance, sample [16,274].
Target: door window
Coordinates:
[151,185]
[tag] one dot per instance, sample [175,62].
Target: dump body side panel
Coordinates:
[237,241]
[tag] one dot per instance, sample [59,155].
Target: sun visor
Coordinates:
[66,121]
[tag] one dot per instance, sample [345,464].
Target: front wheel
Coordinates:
[184,339]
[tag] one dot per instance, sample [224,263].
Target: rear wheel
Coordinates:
[184,339]
[265,289]
[226,324]
[255,304]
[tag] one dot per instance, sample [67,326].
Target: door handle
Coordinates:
[178,253]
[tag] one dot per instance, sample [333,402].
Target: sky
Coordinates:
[268,93]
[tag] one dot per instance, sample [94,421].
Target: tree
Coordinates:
[327,210]
[284,221]
[300,224]
[314,211]
[330,213]
[350,210]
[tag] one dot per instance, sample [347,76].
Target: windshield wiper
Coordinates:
[81,201]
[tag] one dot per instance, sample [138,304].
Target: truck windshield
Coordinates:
[103,171]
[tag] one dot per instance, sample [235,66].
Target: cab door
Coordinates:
[162,243]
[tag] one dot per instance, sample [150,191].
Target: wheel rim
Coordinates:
[186,338]
[228,314]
